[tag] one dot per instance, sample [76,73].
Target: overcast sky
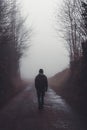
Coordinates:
[48,50]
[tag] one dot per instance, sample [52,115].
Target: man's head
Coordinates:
[41,71]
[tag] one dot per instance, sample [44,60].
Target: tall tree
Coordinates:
[71,21]
[13,37]
[84,20]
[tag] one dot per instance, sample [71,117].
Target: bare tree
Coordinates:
[71,21]
[13,40]
[18,35]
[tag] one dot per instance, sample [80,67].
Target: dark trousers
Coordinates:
[40,96]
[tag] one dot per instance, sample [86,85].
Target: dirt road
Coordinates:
[22,113]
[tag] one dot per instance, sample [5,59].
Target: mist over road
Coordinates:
[22,113]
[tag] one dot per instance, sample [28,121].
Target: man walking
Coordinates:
[41,85]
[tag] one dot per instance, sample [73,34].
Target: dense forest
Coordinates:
[13,35]
[74,30]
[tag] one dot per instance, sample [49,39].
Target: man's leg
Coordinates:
[39,100]
[38,96]
[42,99]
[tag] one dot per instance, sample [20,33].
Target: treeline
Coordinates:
[74,30]
[12,37]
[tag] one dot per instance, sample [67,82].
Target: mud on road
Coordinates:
[22,113]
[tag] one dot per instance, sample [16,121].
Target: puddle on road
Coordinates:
[55,101]
[52,100]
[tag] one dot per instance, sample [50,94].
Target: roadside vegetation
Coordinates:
[74,30]
[13,41]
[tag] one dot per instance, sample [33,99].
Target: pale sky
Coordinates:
[47,49]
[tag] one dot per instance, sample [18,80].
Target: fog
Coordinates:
[47,49]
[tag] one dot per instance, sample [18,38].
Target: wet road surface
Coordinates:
[22,113]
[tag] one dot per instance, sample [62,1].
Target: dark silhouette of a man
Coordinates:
[41,85]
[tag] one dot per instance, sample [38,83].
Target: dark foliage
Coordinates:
[74,90]
[11,45]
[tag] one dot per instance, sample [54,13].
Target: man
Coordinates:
[41,85]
